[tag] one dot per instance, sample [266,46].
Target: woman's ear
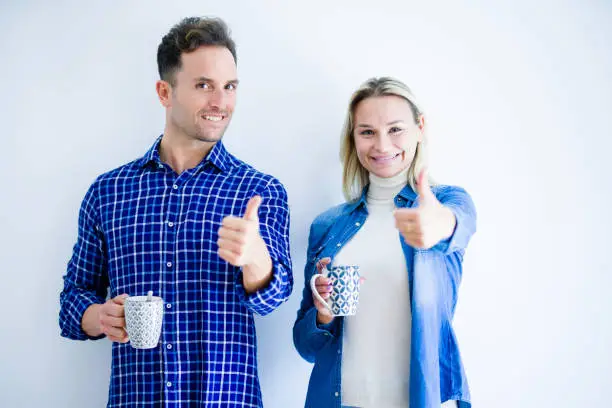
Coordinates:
[421,122]
[421,126]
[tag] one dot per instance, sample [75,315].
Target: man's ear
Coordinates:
[164,92]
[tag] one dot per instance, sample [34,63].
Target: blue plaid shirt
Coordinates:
[143,227]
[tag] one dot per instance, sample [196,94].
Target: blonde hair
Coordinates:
[354,175]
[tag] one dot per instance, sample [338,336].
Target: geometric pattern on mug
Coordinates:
[143,321]
[345,293]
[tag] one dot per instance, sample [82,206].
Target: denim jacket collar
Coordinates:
[407,193]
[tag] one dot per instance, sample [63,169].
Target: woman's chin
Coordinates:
[387,172]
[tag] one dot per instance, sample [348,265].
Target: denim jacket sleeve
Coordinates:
[309,337]
[462,206]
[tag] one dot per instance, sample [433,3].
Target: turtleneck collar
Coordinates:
[384,190]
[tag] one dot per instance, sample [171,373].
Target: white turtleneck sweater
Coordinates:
[376,341]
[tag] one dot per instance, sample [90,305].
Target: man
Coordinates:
[189,221]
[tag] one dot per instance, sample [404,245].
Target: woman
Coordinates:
[408,239]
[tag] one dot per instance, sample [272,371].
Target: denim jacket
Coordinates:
[434,275]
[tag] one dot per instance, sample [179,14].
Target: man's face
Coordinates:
[204,93]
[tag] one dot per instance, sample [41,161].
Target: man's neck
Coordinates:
[181,153]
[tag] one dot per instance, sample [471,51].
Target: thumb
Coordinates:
[252,209]
[423,188]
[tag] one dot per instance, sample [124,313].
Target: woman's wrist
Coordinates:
[324,319]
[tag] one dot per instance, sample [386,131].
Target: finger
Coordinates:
[121,339]
[322,280]
[235,223]
[407,214]
[230,257]
[232,235]
[323,285]
[120,299]
[321,307]
[229,245]
[117,332]
[112,309]
[325,260]
[408,228]
[415,240]
[111,321]
[118,340]
[324,290]
[251,212]
[322,263]
[423,187]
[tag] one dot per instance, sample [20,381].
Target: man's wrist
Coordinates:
[258,274]
[90,323]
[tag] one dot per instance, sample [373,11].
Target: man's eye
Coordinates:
[230,87]
[202,85]
[395,129]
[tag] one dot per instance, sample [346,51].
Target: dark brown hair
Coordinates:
[188,35]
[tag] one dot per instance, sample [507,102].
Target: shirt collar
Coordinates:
[218,156]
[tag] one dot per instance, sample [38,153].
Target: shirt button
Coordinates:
[168,306]
[170,224]
[161,166]
[357,224]
[169,346]
[169,384]
[339,245]
[336,394]
[175,187]
[169,264]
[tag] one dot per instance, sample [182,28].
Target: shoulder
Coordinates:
[254,179]
[331,215]
[121,173]
[323,222]
[110,178]
[445,192]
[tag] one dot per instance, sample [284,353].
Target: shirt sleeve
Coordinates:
[274,229]
[462,206]
[86,279]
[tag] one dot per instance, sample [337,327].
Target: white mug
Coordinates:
[143,320]
[344,297]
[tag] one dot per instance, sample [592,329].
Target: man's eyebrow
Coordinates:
[206,79]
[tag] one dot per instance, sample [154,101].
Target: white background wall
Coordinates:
[518,98]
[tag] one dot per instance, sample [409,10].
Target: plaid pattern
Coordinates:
[142,227]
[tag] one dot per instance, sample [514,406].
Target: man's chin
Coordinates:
[209,138]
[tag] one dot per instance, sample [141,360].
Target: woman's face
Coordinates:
[386,135]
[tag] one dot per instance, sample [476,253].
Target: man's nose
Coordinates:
[217,99]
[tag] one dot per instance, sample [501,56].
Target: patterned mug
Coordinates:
[143,320]
[344,297]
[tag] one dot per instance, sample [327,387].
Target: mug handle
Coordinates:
[313,288]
